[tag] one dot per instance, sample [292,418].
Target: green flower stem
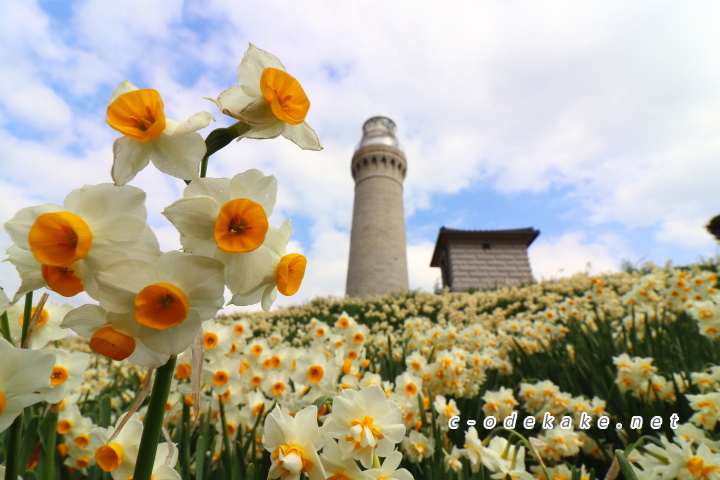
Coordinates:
[49,470]
[26,319]
[13,448]
[5,327]
[219,138]
[154,421]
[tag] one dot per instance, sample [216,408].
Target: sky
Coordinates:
[596,122]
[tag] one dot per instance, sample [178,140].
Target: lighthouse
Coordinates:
[378,254]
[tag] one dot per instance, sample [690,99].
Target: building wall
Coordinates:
[378,258]
[472,266]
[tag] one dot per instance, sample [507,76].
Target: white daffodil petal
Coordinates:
[268,298]
[112,231]
[252,65]
[244,271]
[145,357]
[131,156]
[216,188]
[194,123]
[250,298]
[255,185]
[261,132]
[19,226]
[206,247]
[35,367]
[233,100]
[119,283]
[85,320]
[97,202]
[200,278]
[173,340]
[193,217]
[303,136]
[29,270]
[124,87]
[179,155]
[258,113]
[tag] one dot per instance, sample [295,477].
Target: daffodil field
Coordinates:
[578,378]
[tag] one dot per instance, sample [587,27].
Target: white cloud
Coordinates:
[615,103]
[573,252]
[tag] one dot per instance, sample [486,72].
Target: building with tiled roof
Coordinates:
[481,259]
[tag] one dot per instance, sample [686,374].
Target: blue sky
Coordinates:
[595,122]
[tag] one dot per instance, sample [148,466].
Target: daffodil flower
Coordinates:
[284,271]
[365,423]
[174,147]
[168,298]
[69,243]
[293,443]
[270,100]
[23,374]
[224,219]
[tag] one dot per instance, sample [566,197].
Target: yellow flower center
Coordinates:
[358,338]
[339,476]
[112,344]
[240,226]
[239,329]
[82,462]
[231,427]
[220,378]
[59,239]
[161,305]
[138,114]
[42,320]
[410,389]
[291,271]
[183,371]
[62,280]
[278,388]
[697,467]
[58,376]
[64,426]
[109,456]
[315,374]
[281,454]
[3,402]
[367,423]
[82,440]
[256,349]
[210,340]
[286,97]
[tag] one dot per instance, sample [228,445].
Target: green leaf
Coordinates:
[625,466]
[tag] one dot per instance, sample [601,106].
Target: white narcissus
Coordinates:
[365,423]
[270,100]
[67,374]
[389,469]
[113,335]
[47,329]
[284,271]
[24,373]
[117,455]
[225,219]
[96,225]
[293,443]
[174,147]
[168,298]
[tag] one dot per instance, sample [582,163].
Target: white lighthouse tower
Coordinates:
[378,256]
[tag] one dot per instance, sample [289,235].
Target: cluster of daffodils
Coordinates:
[149,305]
